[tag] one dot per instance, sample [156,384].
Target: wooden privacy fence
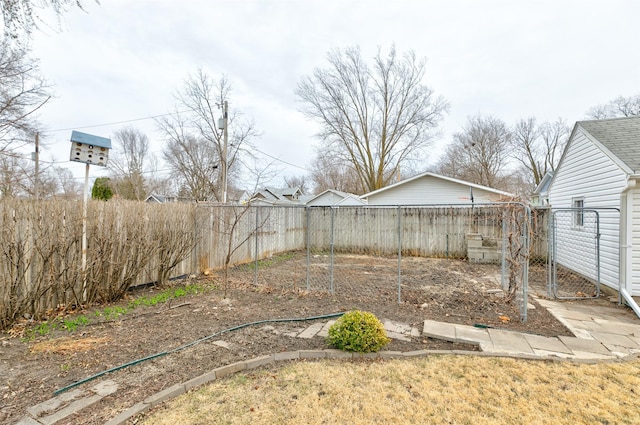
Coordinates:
[131,243]
[128,243]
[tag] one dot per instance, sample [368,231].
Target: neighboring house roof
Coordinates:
[352,200]
[335,197]
[472,186]
[155,198]
[620,136]
[161,199]
[540,195]
[274,196]
[543,186]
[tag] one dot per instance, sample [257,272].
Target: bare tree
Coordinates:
[14,176]
[236,224]
[21,16]
[330,172]
[130,162]
[373,117]
[195,143]
[479,153]
[67,186]
[193,163]
[297,181]
[621,106]
[22,93]
[537,147]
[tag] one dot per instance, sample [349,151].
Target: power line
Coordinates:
[116,122]
[281,160]
[160,116]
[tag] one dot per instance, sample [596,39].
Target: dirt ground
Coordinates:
[445,290]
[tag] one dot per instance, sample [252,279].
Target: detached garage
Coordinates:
[599,171]
[431,188]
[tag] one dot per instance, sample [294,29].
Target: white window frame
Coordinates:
[578,213]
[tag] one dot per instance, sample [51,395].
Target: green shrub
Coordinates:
[358,331]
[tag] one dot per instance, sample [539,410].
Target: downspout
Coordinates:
[626,238]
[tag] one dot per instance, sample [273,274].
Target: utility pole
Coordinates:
[36,158]
[225,136]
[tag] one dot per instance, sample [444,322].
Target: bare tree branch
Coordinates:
[373,117]
[195,145]
[621,106]
[479,152]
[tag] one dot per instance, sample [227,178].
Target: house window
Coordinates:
[578,213]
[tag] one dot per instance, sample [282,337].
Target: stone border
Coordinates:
[223,371]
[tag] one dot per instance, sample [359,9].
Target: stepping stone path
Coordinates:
[66,404]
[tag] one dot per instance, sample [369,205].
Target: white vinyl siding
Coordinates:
[431,190]
[326,199]
[587,173]
[635,243]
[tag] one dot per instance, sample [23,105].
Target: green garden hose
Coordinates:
[182,347]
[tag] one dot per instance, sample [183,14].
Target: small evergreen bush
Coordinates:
[358,331]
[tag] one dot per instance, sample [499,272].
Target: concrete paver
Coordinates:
[324,332]
[105,388]
[28,421]
[621,328]
[311,331]
[509,342]
[471,335]
[54,403]
[547,344]
[433,329]
[614,339]
[69,410]
[584,345]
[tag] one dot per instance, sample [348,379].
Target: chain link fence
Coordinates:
[365,252]
[583,251]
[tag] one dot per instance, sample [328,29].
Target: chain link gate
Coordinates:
[574,253]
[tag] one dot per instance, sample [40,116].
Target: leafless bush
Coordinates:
[173,236]
[518,233]
[119,248]
[40,255]
[37,267]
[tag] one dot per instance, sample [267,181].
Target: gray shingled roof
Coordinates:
[620,135]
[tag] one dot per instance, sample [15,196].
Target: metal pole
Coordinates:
[503,275]
[597,214]
[525,274]
[308,234]
[399,255]
[36,158]
[85,204]
[255,277]
[331,259]
[551,247]
[225,133]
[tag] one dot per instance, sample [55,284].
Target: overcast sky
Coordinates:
[123,60]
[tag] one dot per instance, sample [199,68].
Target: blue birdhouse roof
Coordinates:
[89,139]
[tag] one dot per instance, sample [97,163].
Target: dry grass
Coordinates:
[68,345]
[432,390]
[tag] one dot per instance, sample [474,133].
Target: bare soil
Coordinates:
[444,290]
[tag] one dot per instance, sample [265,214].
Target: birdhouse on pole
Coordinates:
[89,149]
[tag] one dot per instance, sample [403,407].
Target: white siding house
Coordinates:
[332,197]
[598,170]
[431,188]
[273,196]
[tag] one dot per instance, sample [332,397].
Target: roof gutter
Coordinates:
[626,238]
